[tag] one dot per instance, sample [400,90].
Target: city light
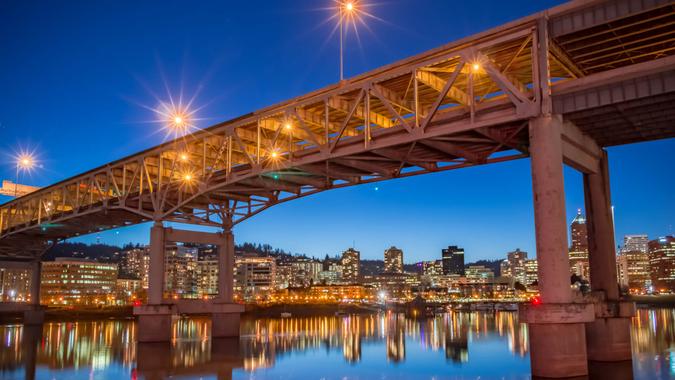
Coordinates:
[475,67]
[288,126]
[183,157]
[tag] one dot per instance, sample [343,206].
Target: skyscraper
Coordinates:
[393,260]
[662,263]
[578,252]
[453,260]
[351,259]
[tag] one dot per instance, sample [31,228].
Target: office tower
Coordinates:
[453,260]
[393,260]
[662,263]
[351,259]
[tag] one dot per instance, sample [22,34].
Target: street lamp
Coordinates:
[24,162]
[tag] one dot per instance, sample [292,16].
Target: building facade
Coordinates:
[78,281]
[393,260]
[514,266]
[254,277]
[662,264]
[351,260]
[15,285]
[453,260]
[578,251]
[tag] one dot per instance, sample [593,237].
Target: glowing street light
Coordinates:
[475,67]
[24,162]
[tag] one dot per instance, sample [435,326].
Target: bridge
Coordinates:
[558,87]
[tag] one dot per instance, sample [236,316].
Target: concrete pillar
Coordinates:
[35,315]
[156,273]
[154,322]
[226,314]
[36,274]
[608,336]
[226,267]
[556,326]
[600,227]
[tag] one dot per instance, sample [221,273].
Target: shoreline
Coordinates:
[267,311]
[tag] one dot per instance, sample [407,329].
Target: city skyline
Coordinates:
[495,199]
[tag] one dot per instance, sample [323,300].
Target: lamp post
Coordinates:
[344,8]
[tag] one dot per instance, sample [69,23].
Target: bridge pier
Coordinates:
[608,336]
[155,318]
[556,326]
[35,315]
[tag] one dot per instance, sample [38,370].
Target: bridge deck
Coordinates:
[607,66]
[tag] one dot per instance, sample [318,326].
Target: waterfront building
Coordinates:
[127,289]
[180,277]
[662,264]
[305,271]
[131,261]
[284,275]
[453,260]
[14,285]
[479,274]
[207,276]
[328,277]
[334,293]
[78,281]
[578,251]
[351,259]
[397,286]
[393,260]
[514,266]
[254,276]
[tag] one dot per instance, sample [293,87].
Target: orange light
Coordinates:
[475,67]
[349,6]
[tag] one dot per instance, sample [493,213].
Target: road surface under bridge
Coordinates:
[558,87]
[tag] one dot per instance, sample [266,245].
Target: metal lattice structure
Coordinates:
[606,66]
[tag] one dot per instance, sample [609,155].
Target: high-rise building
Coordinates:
[633,270]
[305,271]
[635,243]
[579,233]
[393,260]
[453,260]
[351,259]
[662,263]
[514,266]
[253,276]
[78,281]
[578,251]
[131,261]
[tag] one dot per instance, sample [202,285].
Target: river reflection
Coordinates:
[450,346]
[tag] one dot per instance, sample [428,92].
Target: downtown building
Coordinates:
[351,260]
[662,264]
[453,260]
[633,267]
[254,277]
[393,260]
[68,281]
[578,251]
[514,266]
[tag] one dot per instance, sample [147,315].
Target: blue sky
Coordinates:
[76,78]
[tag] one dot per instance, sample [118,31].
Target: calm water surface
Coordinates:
[385,346]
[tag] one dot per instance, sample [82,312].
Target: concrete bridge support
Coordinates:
[608,336]
[556,326]
[155,318]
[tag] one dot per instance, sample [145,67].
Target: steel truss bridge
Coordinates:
[607,67]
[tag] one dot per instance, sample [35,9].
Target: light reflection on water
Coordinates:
[450,346]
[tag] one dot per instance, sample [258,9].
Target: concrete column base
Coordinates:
[608,340]
[35,316]
[558,350]
[225,319]
[225,325]
[557,338]
[154,322]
